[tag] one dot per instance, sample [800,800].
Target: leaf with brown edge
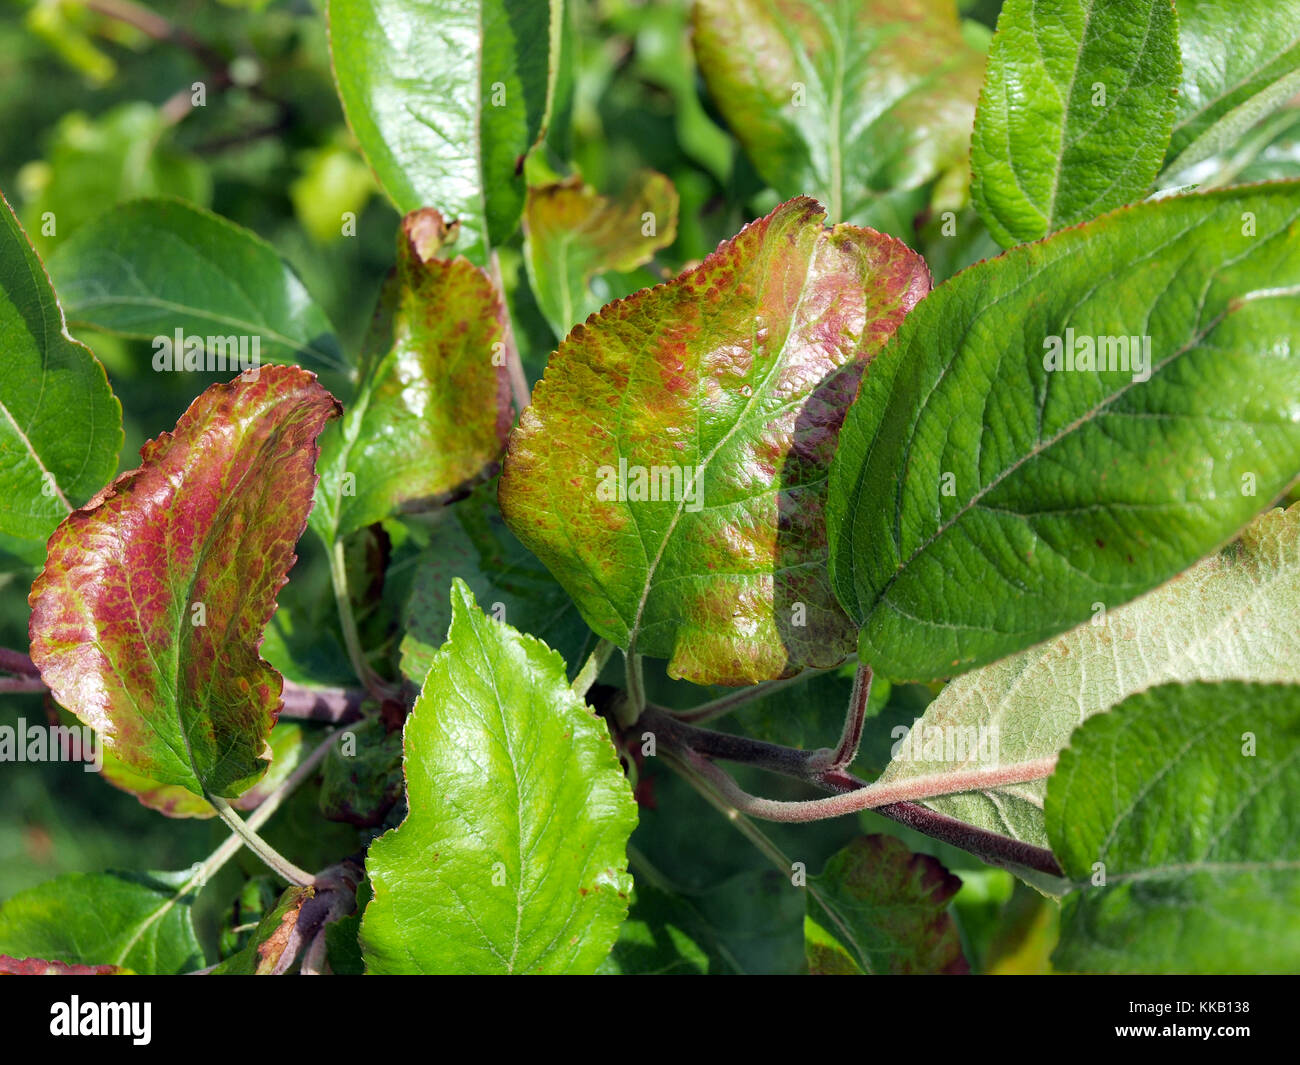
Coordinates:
[728,386]
[275,944]
[147,619]
[39,967]
[433,410]
[879,908]
[572,233]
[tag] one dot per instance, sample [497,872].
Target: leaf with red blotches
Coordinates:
[39,967]
[433,409]
[879,908]
[672,469]
[147,619]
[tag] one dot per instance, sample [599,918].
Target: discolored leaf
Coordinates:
[572,233]
[433,409]
[1232,616]
[848,101]
[147,619]
[446,98]
[156,268]
[362,775]
[512,858]
[136,921]
[60,424]
[1075,113]
[1175,815]
[988,490]
[671,471]
[879,908]
[273,948]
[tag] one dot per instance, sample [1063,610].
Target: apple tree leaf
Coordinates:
[433,409]
[842,100]
[512,857]
[1232,616]
[1016,456]
[135,921]
[150,268]
[147,619]
[1075,113]
[1175,816]
[671,471]
[60,424]
[572,233]
[446,97]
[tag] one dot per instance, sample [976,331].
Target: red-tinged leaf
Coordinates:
[39,967]
[434,409]
[877,908]
[147,619]
[734,379]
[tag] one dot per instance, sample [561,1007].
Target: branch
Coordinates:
[695,748]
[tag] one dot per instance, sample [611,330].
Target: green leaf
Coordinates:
[980,502]
[446,98]
[748,924]
[475,545]
[1075,114]
[1240,62]
[844,100]
[1175,815]
[433,409]
[93,164]
[133,920]
[572,233]
[147,618]
[362,775]
[879,908]
[671,471]
[154,268]
[512,858]
[1232,616]
[268,952]
[60,424]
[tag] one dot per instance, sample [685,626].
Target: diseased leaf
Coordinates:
[1075,113]
[475,545]
[572,233]
[981,502]
[843,100]
[671,471]
[512,858]
[1175,815]
[1232,616]
[272,950]
[60,424]
[446,98]
[156,268]
[433,409]
[879,908]
[147,618]
[286,743]
[37,967]
[1240,62]
[134,921]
